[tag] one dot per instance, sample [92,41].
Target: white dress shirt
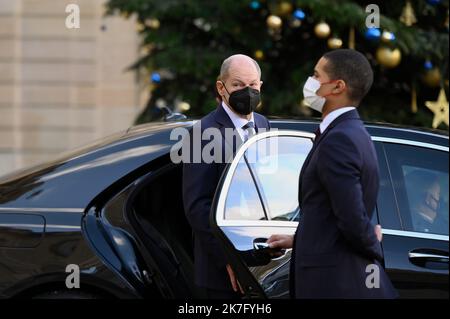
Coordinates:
[238,122]
[332,116]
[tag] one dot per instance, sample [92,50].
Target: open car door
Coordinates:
[256,198]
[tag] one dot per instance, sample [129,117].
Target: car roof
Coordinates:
[379,129]
[74,179]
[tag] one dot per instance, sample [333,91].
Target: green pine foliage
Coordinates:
[196,35]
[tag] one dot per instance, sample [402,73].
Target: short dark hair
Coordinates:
[353,68]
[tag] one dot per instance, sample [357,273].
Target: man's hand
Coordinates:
[281,241]
[234,282]
[378,232]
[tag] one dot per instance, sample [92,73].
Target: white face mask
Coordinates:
[311,98]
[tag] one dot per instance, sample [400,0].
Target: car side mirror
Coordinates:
[171,116]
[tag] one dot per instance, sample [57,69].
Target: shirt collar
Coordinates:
[332,116]
[238,122]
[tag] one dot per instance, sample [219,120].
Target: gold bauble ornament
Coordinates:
[280,8]
[439,108]
[152,23]
[274,22]
[388,57]
[183,106]
[322,30]
[140,27]
[125,15]
[284,8]
[146,50]
[259,55]
[295,23]
[334,43]
[432,78]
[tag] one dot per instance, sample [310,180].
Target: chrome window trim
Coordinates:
[257,223]
[273,223]
[409,131]
[63,226]
[413,234]
[366,125]
[228,178]
[22,225]
[409,142]
[41,210]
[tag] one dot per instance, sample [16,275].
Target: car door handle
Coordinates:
[260,245]
[426,256]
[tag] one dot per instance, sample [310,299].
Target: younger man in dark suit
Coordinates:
[336,252]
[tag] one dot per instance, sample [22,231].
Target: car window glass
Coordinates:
[420,177]
[277,171]
[242,202]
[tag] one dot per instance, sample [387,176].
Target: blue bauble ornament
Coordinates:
[428,65]
[299,14]
[156,77]
[373,34]
[255,5]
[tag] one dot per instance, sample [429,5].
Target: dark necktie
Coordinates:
[317,133]
[249,129]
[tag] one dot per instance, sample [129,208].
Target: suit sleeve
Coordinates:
[339,170]
[199,186]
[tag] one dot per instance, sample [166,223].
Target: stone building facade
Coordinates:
[61,88]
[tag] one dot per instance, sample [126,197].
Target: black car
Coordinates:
[113,211]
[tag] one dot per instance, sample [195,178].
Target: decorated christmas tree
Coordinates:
[184,43]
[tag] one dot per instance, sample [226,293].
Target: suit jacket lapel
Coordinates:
[350,115]
[259,123]
[225,122]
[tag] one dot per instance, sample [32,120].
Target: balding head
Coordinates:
[238,61]
[237,72]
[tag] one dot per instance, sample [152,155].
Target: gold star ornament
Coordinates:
[439,108]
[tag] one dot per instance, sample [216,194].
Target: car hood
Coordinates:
[75,178]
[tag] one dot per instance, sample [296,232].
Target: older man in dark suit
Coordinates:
[238,86]
[336,252]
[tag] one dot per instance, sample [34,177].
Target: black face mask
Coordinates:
[244,101]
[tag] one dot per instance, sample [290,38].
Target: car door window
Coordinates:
[243,202]
[265,183]
[258,197]
[277,173]
[420,178]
